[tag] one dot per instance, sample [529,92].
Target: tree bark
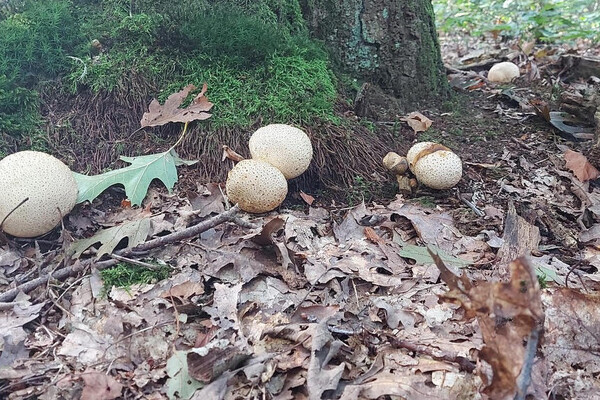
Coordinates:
[391,44]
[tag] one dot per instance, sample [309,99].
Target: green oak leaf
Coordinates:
[136,178]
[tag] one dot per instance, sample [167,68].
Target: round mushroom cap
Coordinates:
[46,181]
[415,150]
[283,146]
[256,186]
[503,72]
[441,169]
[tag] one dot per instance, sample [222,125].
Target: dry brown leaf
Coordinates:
[185,290]
[373,236]
[578,163]
[308,199]
[170,112]
[417,121]
[229,153]
[99,386]
[507,313]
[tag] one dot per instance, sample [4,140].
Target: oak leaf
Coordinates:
[170,112]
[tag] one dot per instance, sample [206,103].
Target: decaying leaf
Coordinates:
[417,121]
[581,167]
[170,112]
[135,231]
[569,126]
[136,178]
[507,313]
[99,386]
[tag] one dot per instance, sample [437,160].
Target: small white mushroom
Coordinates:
[287,148]
[48,184]
[256,186]
[435,165]
[503,72]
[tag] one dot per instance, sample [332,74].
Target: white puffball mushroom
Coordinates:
[414,151]
[503,72]
[287,148]
[46,181]
[435,165]
[256,186]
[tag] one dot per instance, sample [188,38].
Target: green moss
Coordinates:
[124,275]
[256,57]
[253,69]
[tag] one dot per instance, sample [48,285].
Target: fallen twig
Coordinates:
[80,265]
[464,363]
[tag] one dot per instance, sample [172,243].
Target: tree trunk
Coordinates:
[391,44]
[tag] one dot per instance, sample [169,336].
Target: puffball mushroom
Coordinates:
[434,165]
[46,181]
[503,72]
[256,186]
[395,163]
[285,147]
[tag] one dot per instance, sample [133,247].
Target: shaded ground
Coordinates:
[331,300]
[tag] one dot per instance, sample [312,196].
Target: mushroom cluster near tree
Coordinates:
[37,191]
[279,152]
[433,165]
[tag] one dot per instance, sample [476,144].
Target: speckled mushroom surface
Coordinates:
[435,165]
[503,72]
[256,186]
[414,151]
[46,181]
[283,146]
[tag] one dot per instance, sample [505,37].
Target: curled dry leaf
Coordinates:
[228,153]
[417,121]
[581,167]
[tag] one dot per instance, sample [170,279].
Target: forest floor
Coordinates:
[325,300]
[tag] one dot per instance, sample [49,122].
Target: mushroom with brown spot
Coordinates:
[434,165]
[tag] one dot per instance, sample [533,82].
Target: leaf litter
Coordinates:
[399,299]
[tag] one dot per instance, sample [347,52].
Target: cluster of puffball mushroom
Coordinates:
[279,152]
[433,165]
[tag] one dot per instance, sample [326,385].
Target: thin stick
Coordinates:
[65,272]
[135,262]
[524,378]
[464,363]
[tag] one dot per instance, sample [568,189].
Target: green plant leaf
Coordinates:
[180,384]
[135,178]
[136,233]
[422,256]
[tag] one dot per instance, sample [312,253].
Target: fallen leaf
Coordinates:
[135,178]
[308,199]
[417,121]
[507,313]
[99,386]
[228,153]
[170,112]
[136,233]
[581,167]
